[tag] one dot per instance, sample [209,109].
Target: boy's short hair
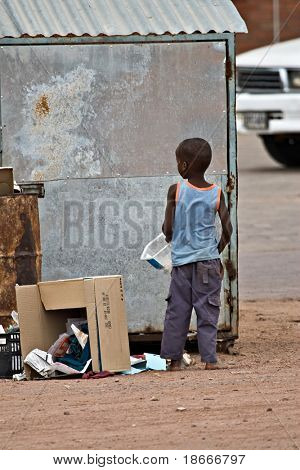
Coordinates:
[195,151]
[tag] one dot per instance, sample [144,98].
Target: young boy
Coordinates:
[197,271]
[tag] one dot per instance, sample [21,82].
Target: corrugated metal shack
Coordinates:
[95,97]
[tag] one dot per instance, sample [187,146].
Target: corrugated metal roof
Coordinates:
[116,17]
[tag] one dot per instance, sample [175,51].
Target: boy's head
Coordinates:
[193,157]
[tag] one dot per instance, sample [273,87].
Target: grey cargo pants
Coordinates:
[195,285]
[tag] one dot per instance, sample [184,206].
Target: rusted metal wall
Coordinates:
[20,247]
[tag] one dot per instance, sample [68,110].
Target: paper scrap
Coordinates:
[15,317]
[82,337]
[43,363]
[19,377]
[155,362]
[137,365]
[75,321]
[39,361]
[133,371]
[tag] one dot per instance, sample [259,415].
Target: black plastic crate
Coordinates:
[10,355]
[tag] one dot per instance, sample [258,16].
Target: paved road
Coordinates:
[269,224]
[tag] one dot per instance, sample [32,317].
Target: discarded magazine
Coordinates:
[43,363]
[70,354]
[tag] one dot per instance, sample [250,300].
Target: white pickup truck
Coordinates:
[268,98]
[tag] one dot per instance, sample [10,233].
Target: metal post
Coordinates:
[233,181]
[276,21]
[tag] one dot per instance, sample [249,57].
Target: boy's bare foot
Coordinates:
[176,365]
[215,366]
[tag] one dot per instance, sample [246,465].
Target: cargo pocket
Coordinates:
[214,300]
[213,309]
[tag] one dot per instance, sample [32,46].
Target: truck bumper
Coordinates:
[285,105]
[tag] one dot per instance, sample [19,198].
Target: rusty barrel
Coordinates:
[20,247]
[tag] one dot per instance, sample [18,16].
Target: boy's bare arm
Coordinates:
[226,224]
[169,213]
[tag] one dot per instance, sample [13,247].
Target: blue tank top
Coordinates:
[194,235]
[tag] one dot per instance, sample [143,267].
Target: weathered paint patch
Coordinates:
[55,133]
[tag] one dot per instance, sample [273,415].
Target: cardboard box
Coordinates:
[6,181]
[44,309]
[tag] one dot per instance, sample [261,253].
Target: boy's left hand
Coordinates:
[230,269]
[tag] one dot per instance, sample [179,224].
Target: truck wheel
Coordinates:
[284,148]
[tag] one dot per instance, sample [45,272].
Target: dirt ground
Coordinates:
[254,404]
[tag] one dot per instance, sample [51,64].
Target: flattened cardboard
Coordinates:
[112,322]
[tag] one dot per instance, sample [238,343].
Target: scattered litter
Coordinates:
[19,377]
[15,327]
[138,364]
[38,361]
[43,363]
[269,409]
[81,337]
[154,399]
[15,317]
[61,346]
[144,362]
[87,349]
[133,371]
[66,413]
[67,386]
[207,398]
[155,362]
[134,360]
[187,360]
[133,425]
[78,322]
[180,408]
[117,380]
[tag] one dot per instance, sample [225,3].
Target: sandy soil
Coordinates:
[255,404]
